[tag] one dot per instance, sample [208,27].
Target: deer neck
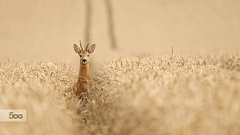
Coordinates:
[84,72]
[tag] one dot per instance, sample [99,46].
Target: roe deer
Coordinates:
[84,83]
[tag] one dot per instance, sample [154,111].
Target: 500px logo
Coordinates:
[13,115]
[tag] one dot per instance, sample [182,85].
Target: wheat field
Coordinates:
[149,95]
[140,86]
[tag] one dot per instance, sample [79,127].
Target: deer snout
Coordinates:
[84,61]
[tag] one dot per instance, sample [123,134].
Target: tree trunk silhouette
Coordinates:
[110,24]
[88,19]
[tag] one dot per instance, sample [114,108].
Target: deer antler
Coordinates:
[80,45]
[88,43]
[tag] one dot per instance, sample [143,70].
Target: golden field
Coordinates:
[140,87]
[174,94]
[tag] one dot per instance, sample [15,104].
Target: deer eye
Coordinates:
[80,55]
[88,55]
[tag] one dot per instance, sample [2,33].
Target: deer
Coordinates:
[84,83]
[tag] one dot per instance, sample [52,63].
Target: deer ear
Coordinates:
[76,49]
[91,49]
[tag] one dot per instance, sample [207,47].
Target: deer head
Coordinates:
[84,54]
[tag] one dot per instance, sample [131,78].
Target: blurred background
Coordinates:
[41,30]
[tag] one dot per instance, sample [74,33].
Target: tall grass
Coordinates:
[151,95]
[37,87]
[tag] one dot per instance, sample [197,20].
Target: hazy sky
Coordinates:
[46,30]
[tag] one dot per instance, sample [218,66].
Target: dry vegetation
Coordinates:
[148,96]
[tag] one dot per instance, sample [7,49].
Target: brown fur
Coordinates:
[84,83]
